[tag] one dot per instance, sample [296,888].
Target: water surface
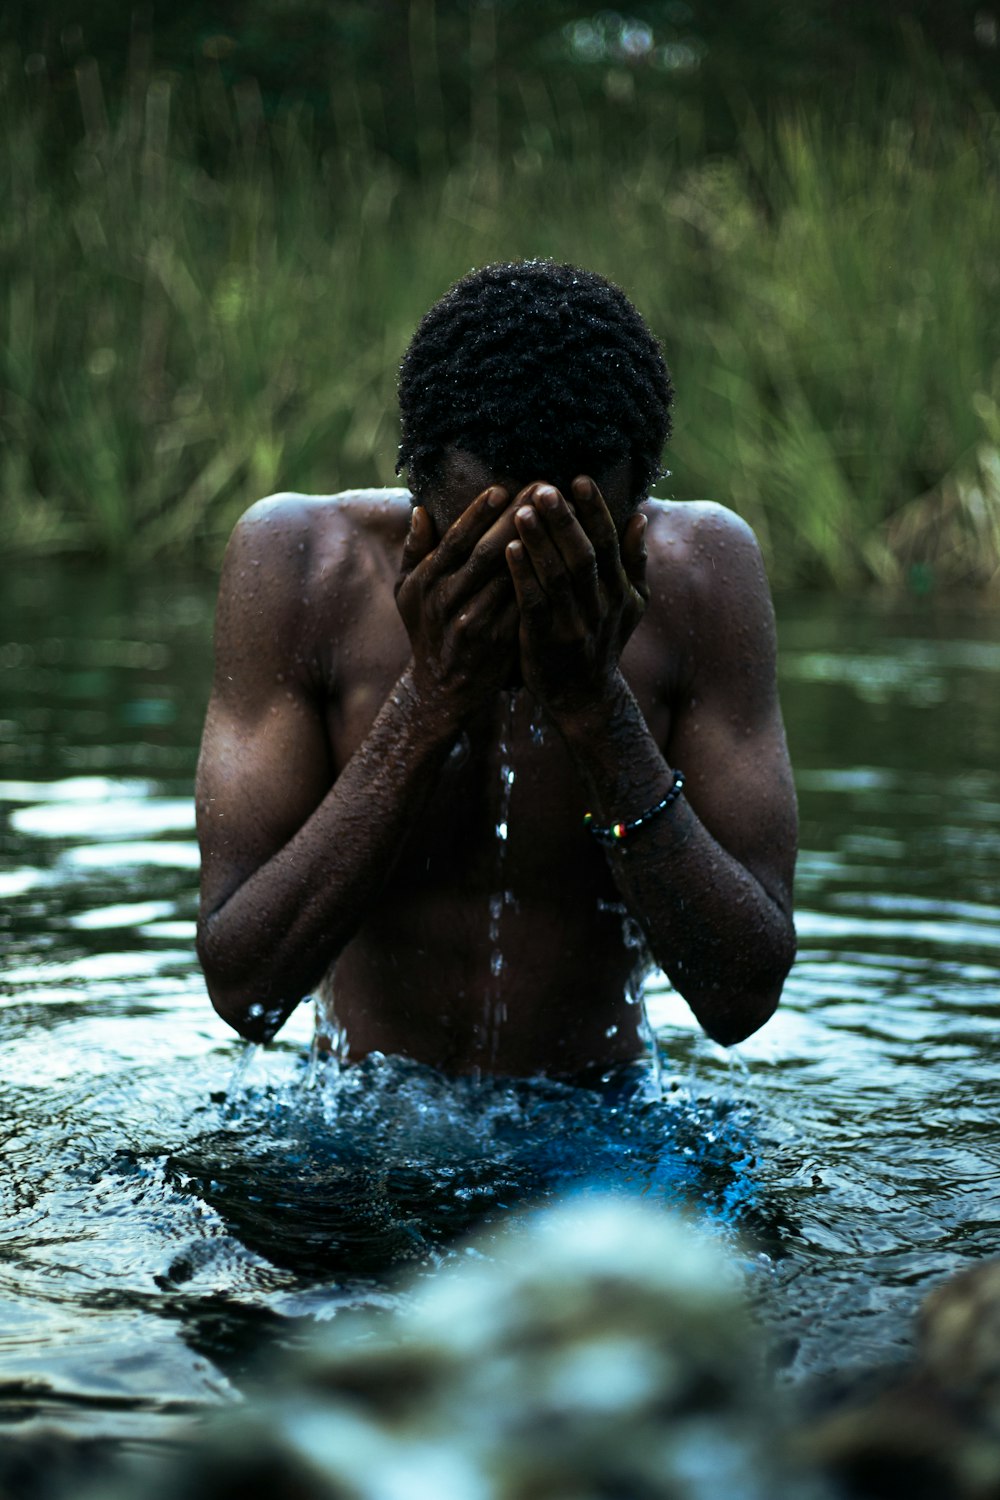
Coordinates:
[161,1222]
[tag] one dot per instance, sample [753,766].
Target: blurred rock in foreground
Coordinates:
[601,1353]
[933,1431]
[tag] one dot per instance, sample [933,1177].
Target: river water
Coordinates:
[172,1204]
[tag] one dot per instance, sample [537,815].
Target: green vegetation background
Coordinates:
[219,228]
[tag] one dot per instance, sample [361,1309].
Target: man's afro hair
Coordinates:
[542,371]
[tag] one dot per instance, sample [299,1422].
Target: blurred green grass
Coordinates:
[177,340]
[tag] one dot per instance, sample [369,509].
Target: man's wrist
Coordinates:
[597,715]
[626,779]
[438,715]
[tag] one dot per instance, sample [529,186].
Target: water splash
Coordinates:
[329,1041]
[324,1197]
[238,1078]
[635,993]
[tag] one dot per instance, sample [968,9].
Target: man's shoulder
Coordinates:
[692,533]
[293,558]
[291,538]
[709,597]
[312,520]
[701,553]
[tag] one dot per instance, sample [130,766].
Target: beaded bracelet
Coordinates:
[615,833]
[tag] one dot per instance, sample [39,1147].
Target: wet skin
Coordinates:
[350,782]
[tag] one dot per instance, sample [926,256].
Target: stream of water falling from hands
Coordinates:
[329,1039]
[495,1009]
[495,1013]
[242,1066]
[635,993]
[635,987]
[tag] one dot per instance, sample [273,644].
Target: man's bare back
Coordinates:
[478,952]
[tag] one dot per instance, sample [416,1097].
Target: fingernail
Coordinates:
[547,497]
[526,513]
[496,497]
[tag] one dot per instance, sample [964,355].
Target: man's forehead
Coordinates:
[463,471]
[464,476]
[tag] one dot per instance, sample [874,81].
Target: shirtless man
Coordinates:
[418,697]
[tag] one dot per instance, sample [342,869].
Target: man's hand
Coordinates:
[457,603]
[580,592]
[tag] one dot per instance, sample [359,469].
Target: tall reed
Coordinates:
[174,344]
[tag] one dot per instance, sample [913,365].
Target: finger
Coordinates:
[546,560]
[532,600]
[595,518]
[418,545]
[456,546]
[501,628]
[531,596]
[491,600]
[633,552]
[478,615]
[509,617]
[573,546]
[486,560]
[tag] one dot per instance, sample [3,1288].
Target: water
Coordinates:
[495,1009]
[171,1203]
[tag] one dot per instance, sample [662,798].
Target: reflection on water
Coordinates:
[160,1220]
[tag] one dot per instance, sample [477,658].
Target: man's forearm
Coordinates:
[271,941]
[724,941]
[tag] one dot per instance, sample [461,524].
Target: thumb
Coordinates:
[419,543]
[633,554]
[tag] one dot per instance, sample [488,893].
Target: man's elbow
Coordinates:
[731,1018]
[736,1020]
[233,998]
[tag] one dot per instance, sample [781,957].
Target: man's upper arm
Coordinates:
[264,764]
[727,733]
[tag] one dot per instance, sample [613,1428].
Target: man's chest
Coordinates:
[507,808]
[373,651]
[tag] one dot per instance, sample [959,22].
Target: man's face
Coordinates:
[464,476]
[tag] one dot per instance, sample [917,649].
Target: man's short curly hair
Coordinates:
[542,371]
